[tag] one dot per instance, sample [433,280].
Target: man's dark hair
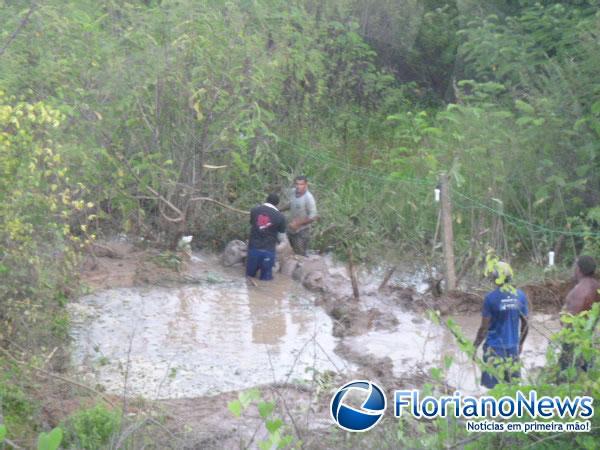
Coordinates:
[586,265]
[273,199]
[301,178]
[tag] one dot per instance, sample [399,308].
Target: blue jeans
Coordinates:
[262,260]
[496,357]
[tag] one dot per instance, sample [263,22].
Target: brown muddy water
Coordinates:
[203,339]
[224,335]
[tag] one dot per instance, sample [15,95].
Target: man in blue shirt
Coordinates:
[503,325]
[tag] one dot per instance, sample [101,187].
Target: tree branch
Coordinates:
[223,205]
[22,25]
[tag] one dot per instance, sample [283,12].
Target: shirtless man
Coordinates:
[579,299]
[585,293]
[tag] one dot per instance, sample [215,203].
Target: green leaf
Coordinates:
[448,360]
[249,396]
[50,441]
[433,316]
[539,121]
[273,441]
[525,107]
[436,373]
[567,319]
[523,120]
[273,425]
[558,180]
[433,131]
[587,442]
[235,407]
[265,409]
[502,114]
[285,441]
[583,170]
[580,123]
[2,432]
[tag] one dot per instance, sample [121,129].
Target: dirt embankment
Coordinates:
[120,263]
[545,297]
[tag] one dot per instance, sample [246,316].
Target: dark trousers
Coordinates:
[498,357]
[262,260]
[299,241]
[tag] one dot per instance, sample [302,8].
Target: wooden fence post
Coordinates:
[448,235]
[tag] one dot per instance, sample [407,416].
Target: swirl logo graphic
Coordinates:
[370,412]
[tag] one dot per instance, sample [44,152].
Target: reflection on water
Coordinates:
[198,340]
[266,311]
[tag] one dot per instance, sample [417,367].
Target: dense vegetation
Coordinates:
[156,118]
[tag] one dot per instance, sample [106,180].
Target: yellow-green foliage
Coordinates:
[40,210]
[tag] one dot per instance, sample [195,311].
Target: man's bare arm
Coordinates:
[524,332]
[482,332]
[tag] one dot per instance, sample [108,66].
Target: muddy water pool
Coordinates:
[224,335]
[202,339]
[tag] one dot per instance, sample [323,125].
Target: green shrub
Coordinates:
[91,428]
[17,410]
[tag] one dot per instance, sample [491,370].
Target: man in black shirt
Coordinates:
[266,222]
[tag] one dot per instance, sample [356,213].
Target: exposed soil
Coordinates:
[546,297]
[121,264]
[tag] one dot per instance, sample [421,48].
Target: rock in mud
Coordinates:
[313,273]
[370,367]
[235,252]
[381,321]
[315,281]
[288,266]
[287,261]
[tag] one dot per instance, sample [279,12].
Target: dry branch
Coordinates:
[223,205]
[387,277]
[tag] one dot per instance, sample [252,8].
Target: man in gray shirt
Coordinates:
[303,211]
